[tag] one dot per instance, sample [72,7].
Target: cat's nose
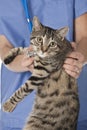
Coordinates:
[44,49]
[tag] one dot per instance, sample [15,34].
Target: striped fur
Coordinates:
[56,104]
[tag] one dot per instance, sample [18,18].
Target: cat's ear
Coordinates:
[36,24]
[63,32]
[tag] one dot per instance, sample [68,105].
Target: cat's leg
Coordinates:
[23,91]
[12,54]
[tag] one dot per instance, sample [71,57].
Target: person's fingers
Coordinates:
[76,55]
[72,73]
[27,49]
[27,61]
[75,69]
[30,68]
[73,44]
[73,62]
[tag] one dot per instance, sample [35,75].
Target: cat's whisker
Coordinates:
[30,53]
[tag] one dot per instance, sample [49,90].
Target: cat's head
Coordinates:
[49,43]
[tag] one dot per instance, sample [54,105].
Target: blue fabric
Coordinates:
[82,125]
[9,128]
[14,26]
[2,127]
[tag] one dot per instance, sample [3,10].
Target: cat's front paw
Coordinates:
[8,60]
[8,106]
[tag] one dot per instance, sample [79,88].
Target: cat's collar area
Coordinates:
[30,53]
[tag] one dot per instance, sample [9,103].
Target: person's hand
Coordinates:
[22,63]
[74,63]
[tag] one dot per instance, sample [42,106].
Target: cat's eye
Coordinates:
[53,44]
[39,39]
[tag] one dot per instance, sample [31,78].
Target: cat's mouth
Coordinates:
[42,54]
[39,53]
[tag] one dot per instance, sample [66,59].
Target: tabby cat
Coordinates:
[56,104]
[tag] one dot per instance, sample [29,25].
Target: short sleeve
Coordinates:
[80,7]
[13,23]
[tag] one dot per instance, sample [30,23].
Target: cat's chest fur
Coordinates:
[56,100]
[56,88]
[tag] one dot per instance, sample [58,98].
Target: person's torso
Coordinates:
[56,14]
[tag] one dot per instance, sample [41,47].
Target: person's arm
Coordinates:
[81,35]
[21,63]
[72,66]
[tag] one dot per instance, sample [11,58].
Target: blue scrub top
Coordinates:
[13,24]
